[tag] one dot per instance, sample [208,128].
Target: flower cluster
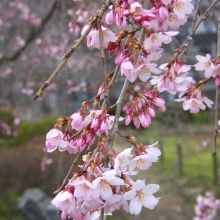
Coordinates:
[97,123]
[175,79]
[142,108]
[206,207]
[105,183]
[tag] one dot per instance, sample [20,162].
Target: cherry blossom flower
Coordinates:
[93,37]
[143,162]
[122,159]
[175,79]
[83,188]
[78,122]
[127,69]
[205,64]
[143,70]
[174,21]
[155,40]
[110,15]
[141,195]
[102,185]
[182,7]
[194,101]
[141,109]
[64,201]
[55,139]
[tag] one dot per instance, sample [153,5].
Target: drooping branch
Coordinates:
[65,58]
[32,35]
[216,126]
[121,98]
[181,51]
[103,60]
[197,11]
[69,172]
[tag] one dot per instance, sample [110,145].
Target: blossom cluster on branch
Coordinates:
[107,183]
[103,183]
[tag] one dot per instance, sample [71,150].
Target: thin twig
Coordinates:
[102,214]
[66,56]
[216,127]
[33,34]
[121,98]
[103,59]
[69,172]
[122,136]
[118,113]
[91,159]
[194,22]
[189,37]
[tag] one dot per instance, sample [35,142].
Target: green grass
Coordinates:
[196,164]
[29,130]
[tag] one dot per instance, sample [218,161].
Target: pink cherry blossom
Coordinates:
[102,185]
[110,15]
[83,188]
[127,69]
[205,64]
[122,159]
[182,7]
[93,37]
[143,69]
[64,201]
[155,40]
[143,162]
[78,122]
[53,139]
[141,195]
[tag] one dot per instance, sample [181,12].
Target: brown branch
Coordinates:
[181,50]
[103,65]
[216,127]
[194,23]
[32,35]
[67,55]
[91,159]
[69,172]
[121,98]
[102,214]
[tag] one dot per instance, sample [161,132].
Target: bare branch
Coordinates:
[66,56]
[103,64]
[182,49]
[32,35]
[216,127]
[69,172]
[194,23]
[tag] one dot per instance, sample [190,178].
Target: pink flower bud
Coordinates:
[136,122]
[151,112]
[127,120]
[163,13]
[137,18]
[110,17]
[148,17]
[145,24]
[217,81]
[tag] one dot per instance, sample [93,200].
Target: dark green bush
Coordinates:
[29,130]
